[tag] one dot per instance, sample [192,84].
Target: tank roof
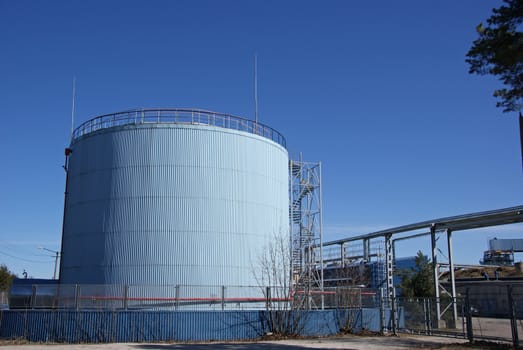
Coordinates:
[177,116]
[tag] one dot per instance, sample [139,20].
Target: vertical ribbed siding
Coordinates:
[149,326]
[128,326]
[172,204]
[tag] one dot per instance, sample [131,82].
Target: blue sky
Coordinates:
[378,91]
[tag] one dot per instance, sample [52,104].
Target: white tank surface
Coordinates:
[172,197]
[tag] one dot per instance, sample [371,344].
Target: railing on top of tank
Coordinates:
[178,116]
[185,297]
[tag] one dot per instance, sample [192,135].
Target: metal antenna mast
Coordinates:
[256,89]
[72,108]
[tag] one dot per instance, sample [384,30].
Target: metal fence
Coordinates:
[187,297]
[178,116]
[102,326]
[487,312]
[421,316]
[343,297]
[495,312]
[491,312]
[102,313]
[3,300]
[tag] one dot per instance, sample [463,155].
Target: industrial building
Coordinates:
[501,251]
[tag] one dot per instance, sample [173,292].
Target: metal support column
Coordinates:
[435,269]
[513,318]
[366,250]
[320,229]
[452,277]
[389,267]
[125,297]
[468,316]
[390,283]
[223,298]
[176,296]
[342,254]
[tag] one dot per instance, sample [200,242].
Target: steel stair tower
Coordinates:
[306,232]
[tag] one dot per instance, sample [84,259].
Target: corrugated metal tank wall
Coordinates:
[171,204]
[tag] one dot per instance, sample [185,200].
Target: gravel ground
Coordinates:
[339,342]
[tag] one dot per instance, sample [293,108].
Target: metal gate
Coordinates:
[494,313]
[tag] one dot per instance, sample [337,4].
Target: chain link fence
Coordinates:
[123,297]
[420,316]
[187,297]
[482,312]
[58,312]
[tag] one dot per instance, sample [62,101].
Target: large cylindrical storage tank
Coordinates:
[172,197]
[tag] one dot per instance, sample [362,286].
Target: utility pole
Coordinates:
[57,255]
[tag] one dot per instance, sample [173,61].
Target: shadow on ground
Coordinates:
[225,346]
[348,343]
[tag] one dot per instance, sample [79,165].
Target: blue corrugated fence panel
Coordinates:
[370,319]
[319,323]
[154,326]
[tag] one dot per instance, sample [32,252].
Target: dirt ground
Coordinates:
[339,342]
